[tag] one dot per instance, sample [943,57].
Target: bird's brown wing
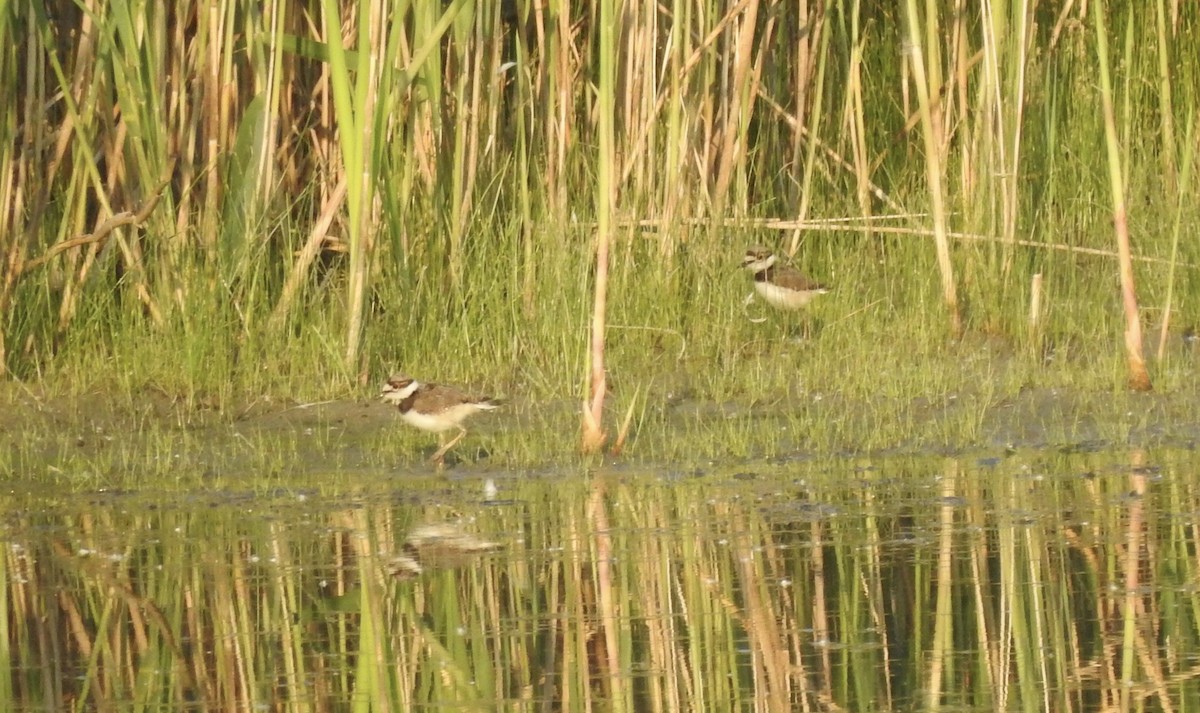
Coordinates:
[792,279]
[432,398]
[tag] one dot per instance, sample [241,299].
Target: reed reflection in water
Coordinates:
[1060,582]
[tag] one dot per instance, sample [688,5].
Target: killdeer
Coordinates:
[783,287]
[434,408]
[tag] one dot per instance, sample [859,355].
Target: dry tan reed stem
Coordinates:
[605,199]
[736,110]
[864,180]
[1035,304]
[593,411]
[308,253]
[934,137]
[94,239]
[866,224]
[101,232]
[1139,378]
[692,61]
[618,444]
[558,116]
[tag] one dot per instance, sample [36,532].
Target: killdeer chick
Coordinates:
[781,286]
[434,408]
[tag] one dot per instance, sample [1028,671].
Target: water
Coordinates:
[1029,581]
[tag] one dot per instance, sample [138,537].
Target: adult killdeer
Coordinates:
[781,286]
[434,407]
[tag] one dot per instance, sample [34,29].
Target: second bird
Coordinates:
[781,286]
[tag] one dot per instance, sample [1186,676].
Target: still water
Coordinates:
[1039,581]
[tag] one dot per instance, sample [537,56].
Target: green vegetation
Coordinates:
[223,223]
[923,584]
[216,205]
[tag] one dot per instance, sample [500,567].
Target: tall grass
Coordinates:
[354,187]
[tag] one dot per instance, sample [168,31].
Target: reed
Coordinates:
[593,433]
[314,201]
[1139,377]
[923,52]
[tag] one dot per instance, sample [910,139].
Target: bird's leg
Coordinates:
[438,457]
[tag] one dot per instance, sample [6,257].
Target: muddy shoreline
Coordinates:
[41,433]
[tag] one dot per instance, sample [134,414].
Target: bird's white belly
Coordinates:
[784,298]
[427,421]
[444,420]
